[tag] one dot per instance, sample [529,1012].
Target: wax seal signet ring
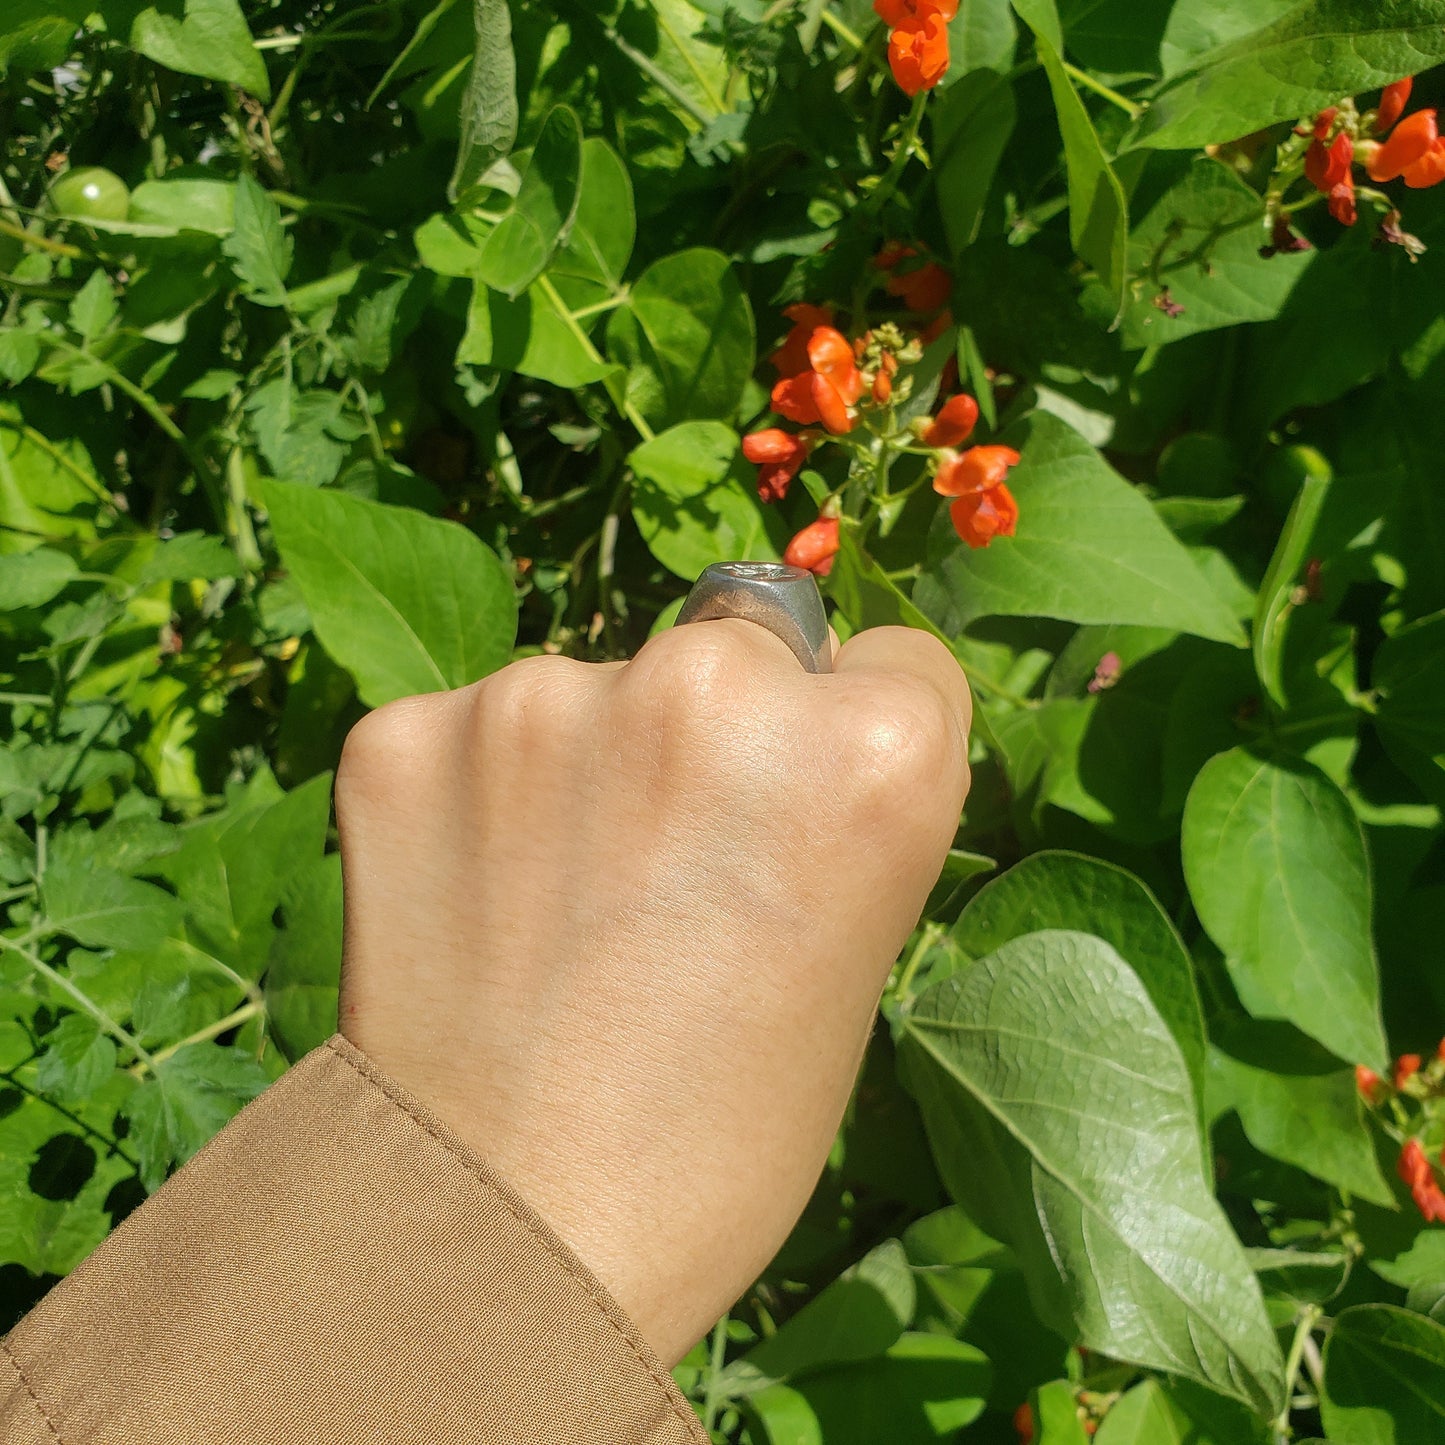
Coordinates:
[783,599]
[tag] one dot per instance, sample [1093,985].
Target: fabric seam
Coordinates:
[382,1084]
[30,1390]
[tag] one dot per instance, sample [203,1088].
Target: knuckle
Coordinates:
[529,697]
[902,737]
[379,747]
[691,670]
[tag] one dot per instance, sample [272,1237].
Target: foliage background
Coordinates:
[320,417]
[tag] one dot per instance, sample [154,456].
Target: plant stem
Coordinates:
[43,243]
[1309,1318]
[86,1004]
[234,1019]
[711,1399]
[843,31]
[930,935]
[1082,77]
[885,187]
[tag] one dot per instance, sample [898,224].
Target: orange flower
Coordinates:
[826,391]
[1392,104]
[955,420]
[979,517]
[976,470]
[1406,1067]
[895,12]
[1409,142]
[923,289]
[1429,170]
[815,546]
[918,52]
[1415,1171]
[792,356]
[1342,201]
[1373,1089]
[1324,120]
[891,253]
[1024,1423]
[1328,165]
[778,455]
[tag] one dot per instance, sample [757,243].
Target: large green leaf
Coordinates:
[536,335]
[104,909]
[1307,58]
[522,244]
[1409,679]
[1384,1378]
[303,979]
[1058,890]
[1098,208]
[201,37]
[37,34]
[1201,240]
[859,1316]
[692,503]
[1276,865]
[187,1100]
[258,248]
[1117,37]
[588,266]
[1196,27]
[971,125]
[686,337]
[489,108]
[1158,1412]
[1089,548]
[1062,1118]
[1296,1104]
[404,602]
[233,869]
[28,579]
[922,1391]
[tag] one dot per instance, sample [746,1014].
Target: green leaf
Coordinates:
[1276,865]
[1115,37]
[588,266]
[1296,1104]
[1384,1378]
[1089,548]
[1409,681]
[692,504]
[1276,601]
[686,337]
[104,909]
[518,250]
[78,1058]
[187,203]
[1098,210]
[982,36]
[1307,58]
[189,1098]
[1201,240]
[1198,26]
[1420,1271]
[860,1315]
[93,308]
[1058,890]
[303,980]
[233,869]
[532,335]
[406,603]
[489,108]
[37,34]
[923,1391]
[972,122]
[1145,1416]
[259,248]
[1056,1415]
[1061,1115]
[187,556]
[29,579]
[209,38]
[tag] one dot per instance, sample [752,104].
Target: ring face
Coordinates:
[781,598]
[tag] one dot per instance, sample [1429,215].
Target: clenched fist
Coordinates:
[624,927]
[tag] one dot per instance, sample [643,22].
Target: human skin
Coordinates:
[624,927]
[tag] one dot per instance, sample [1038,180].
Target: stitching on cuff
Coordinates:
[30,1390]
[379,1081]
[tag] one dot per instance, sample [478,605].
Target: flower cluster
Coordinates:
[829,386]
[917,40]
[1411,150]
[1412,1078]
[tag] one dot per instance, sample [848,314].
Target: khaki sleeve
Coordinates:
[334,1267]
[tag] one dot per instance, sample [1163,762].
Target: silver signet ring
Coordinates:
[783,599]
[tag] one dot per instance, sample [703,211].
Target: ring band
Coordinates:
[781,598]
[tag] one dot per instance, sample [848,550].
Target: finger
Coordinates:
[908,652]
[748,647]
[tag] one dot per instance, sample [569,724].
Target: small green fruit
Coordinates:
[91,193]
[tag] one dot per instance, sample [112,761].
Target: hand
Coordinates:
[624,927]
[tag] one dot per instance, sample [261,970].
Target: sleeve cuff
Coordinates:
[335,1267]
